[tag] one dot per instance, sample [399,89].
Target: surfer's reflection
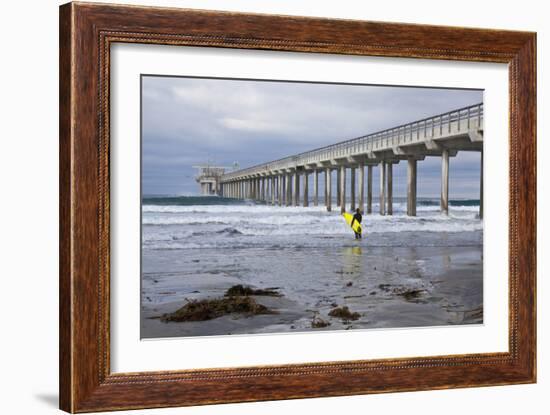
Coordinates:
[352,260]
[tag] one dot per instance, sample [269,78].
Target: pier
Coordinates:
[285,182]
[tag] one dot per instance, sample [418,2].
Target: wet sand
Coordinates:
[389,287]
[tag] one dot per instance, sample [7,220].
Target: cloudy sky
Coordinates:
[190,121]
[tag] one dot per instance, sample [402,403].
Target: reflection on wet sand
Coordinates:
[368,286]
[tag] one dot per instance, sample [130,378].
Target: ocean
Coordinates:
[196,247]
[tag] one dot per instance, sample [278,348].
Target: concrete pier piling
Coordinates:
[382,187]
[278,181]
[342,189]
[338,187]
[315,187]
[445,182]
[328,189]
[362,188]
[369,190]
[288,189]
[296,198]
[352,188]
[306,189]
[273,188]
[283,189]
[411,187]
[280,191]
[389,167]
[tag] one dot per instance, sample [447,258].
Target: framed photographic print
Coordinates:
[260,207]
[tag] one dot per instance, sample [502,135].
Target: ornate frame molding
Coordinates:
[86,33]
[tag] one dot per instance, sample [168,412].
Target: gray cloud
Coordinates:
[189,121]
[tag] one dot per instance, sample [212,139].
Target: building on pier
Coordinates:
[209,179]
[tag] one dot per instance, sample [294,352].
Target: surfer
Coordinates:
[357,217]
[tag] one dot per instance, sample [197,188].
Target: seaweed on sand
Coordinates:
[408,293]
[344,313]
[208,309]
[412,294]
[318,323]
[241,290]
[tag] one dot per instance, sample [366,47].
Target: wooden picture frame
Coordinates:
[86,33]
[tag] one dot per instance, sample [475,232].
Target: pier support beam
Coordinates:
[342,189]
[411,187]
[445,182]
[338,187]
[261,186]
[315,187]
[328,189]
[481,187]
[273,184]
[281,190]
[288,196]
[327,173]
[382,188]
[369,190]
[306,189]
[390,188]
[352,188]
[362,188]
[296,189]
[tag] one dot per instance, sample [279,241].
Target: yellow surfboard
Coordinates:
[356,225]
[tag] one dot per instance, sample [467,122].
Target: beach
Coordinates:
[406,271]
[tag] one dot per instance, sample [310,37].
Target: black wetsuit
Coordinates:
[357,217]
